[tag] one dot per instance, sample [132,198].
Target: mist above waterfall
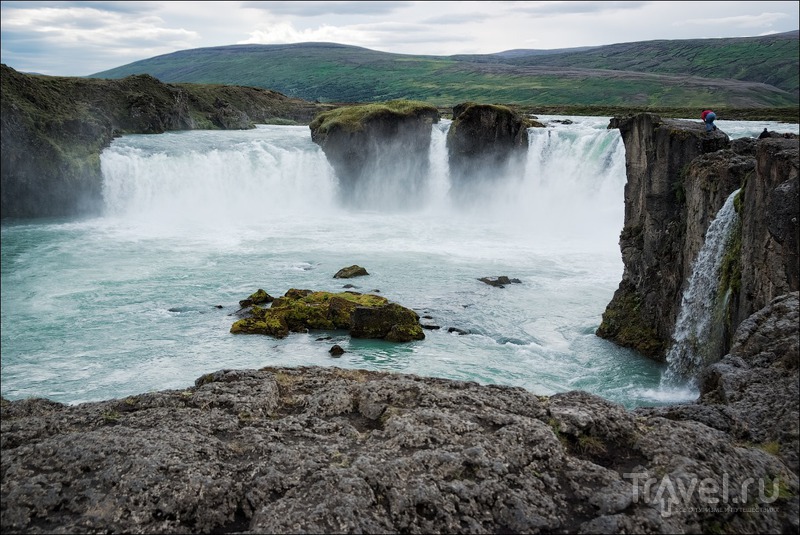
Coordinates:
[569,185]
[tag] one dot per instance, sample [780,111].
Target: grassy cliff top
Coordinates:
[353,118]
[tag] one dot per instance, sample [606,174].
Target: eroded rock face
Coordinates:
[380,152]
[485,144]
[679,176]
[770,227]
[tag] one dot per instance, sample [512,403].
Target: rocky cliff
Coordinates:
[485,143]
[377,147]
[52,130]
[679,176]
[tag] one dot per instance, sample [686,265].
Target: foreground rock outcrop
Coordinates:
[53,128]
[679,176]
[328,450]
[378,150]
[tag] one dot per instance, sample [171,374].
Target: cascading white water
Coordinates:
[693,329]
[568,179]
[196,177]
[572,175]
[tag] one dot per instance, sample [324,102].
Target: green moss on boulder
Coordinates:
[378,150]
[391,322]
[258,298]
[623,323]
[364,315]
[354,118]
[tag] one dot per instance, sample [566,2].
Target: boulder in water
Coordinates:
[258,298]
[350,272]
[364,315]
[499,282]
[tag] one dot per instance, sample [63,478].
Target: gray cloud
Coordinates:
[115,7]
[458,18]
[315,9]
[572,8]
[76,38]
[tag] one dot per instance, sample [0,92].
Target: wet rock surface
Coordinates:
[350,272]
[363,315]
[377,147]
[486,143]
[499,282]
[752,392]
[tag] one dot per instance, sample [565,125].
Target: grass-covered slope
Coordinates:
[771,59]
[707,74]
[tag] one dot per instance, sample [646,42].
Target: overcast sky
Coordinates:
[81,38]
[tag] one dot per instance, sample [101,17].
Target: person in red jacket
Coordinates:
[708,117]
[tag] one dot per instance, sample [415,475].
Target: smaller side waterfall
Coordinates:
[694,334]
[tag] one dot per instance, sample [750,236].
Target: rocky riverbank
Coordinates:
[329,450]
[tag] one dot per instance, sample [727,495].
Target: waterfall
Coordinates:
[693,336]
[572,182]
[575,176]
[199,176]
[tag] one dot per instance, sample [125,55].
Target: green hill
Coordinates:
[771,59]
[695,73]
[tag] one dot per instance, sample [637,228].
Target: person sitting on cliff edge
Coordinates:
[708,117]
[764,134]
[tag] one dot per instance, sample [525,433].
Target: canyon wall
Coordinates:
[678,177]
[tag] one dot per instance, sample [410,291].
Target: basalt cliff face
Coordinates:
[52,130]
[370,146]
[679,176]
[485,141]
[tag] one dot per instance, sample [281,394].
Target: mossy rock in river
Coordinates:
[364,315]
[391,322]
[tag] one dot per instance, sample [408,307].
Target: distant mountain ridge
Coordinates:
[751,72]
